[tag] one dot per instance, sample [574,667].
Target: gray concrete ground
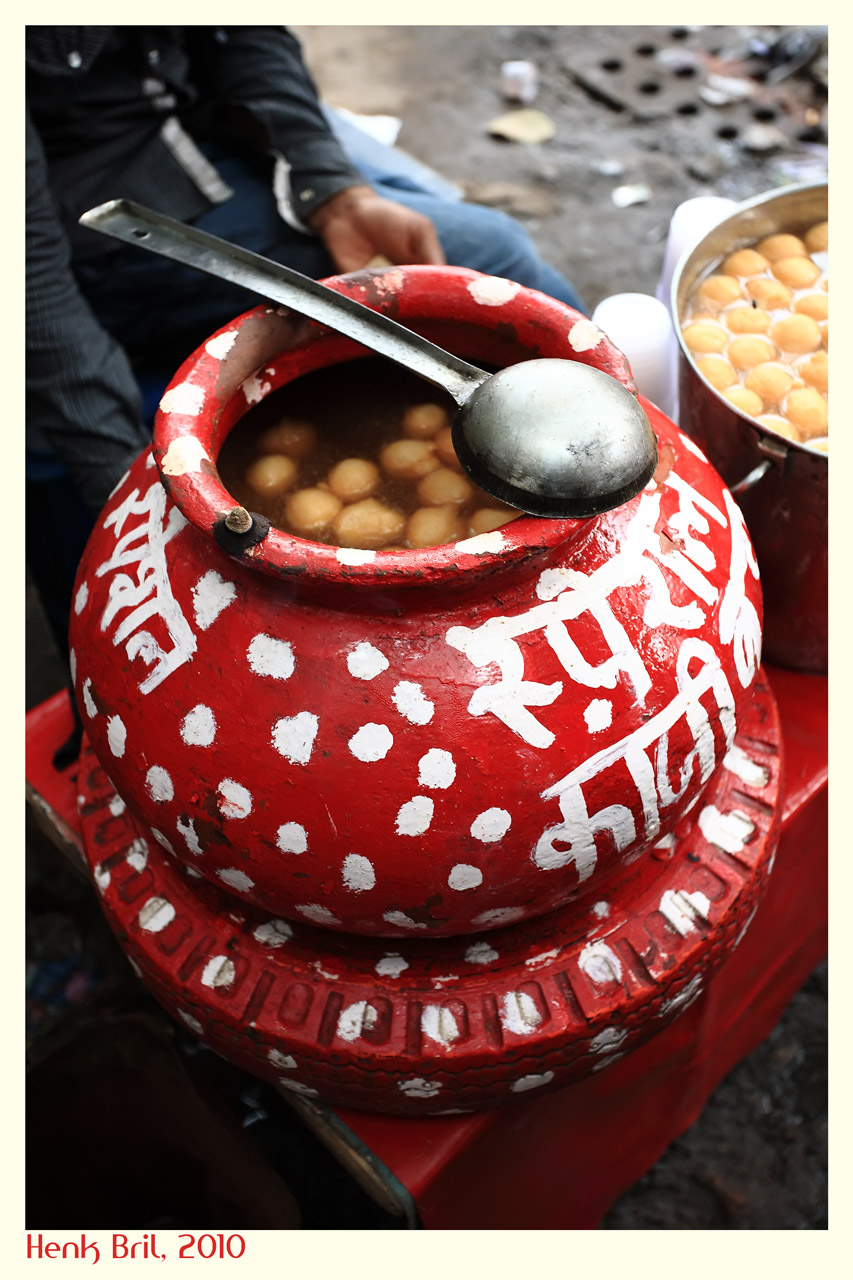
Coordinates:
[629,110]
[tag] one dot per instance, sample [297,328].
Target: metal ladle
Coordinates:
[550,437]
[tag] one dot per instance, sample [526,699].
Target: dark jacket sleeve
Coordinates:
[81,394]
[258,73]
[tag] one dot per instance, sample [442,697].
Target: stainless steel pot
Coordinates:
[781,486]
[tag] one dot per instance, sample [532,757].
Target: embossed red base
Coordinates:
[422,1028]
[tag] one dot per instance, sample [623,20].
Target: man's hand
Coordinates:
[357,225]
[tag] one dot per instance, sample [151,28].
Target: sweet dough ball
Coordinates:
[368,525]
[797,273]
[444,487]
[817,237]
[423,421]
[310,512]
[821,443]
[409,459]
[271,475]
[489,518]
[780,425]
[720,290]
[815,371]
[433,526]
[750,350]
[354,479]
[717,371]
[770,294]
[808,411]
[445,450]
[815,305]
[770,381]
[744,262]
[824,336]
[745,400]
[796,333]
[295,439]
[704,336]
[781,246]
[747,320]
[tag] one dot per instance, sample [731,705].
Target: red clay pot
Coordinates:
[419,743]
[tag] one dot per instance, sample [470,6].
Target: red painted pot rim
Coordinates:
[210,393]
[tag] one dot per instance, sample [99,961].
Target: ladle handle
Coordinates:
[137,225]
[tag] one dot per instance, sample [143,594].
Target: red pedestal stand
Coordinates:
[561,1159]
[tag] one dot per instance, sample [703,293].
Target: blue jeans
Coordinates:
[155,307]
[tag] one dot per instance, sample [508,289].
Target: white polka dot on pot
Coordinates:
[366,662]
[235,800]
[186,828]
[235,879]
[218,972]
[371,742]
[88,700]
[401,920]
[415,816]
[198,727]
[500,915]
[525,1083]
[320,915]
[436,769]
[268,656]
[419,1088]
[136,855]
[584,336]
[155,915]
[481,953]
[493,291]
[211,594]
[116,735]
[358,873]
[491,825]
[464,876]
[101,875]
[293,736]
[274,933]
[412,703]
[284,1061]
[391,965]
[292,838]
[159,785]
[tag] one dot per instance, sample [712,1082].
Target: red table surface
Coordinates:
[560,1160]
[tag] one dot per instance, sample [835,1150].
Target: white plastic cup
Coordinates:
[641,327]
[690,223]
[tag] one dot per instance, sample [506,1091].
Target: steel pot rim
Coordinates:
[776,443]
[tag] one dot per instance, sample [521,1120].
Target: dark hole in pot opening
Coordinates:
[679,33]
[649,87]
[688,109]
[728,131]
[611,64]
[685,71]
[645,50]
[764,113]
